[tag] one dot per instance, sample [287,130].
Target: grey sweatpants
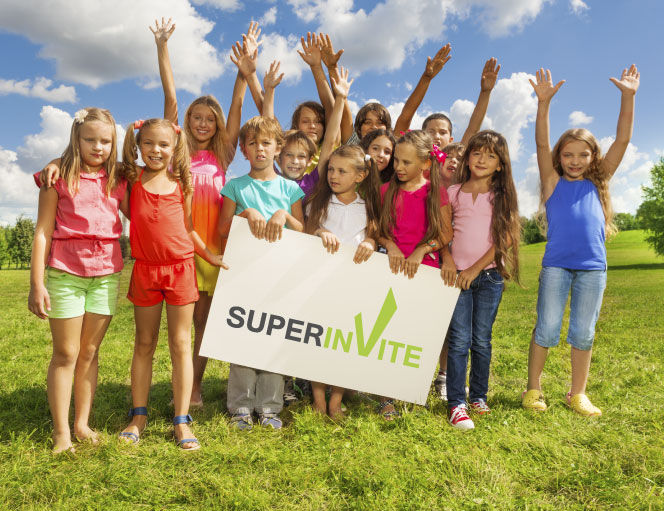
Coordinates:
[252,390]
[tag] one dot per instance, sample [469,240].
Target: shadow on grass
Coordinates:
[25,412]
[648,266]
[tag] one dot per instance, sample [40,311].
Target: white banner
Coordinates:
[291,308]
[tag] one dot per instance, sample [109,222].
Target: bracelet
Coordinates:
[432,244]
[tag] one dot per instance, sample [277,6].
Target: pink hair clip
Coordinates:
[176,128]
[402,133]
[139,124]
[438,154]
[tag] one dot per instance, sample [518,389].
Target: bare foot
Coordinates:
[335,412]
[86,434]
[196,400]
[62,442]
[183,431]
[319,407]
[134,429]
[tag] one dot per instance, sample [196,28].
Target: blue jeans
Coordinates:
[587,289]
[470,329]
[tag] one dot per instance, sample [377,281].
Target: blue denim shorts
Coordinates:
[587,289]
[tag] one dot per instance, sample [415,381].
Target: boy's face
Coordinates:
[372,121]
[450,166]
[311,125]
[441,132]
[260,149]
[293,160]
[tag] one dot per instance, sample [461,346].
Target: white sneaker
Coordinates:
[440,385]
[459,418]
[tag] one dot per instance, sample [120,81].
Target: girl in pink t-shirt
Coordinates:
[76,236]
[415,222]
[483,254]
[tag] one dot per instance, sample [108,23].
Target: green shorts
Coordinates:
[72,296]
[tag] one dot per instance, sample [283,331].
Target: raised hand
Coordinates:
[310,53]
[629,81]
[250,40]
[341,86]
[245,61]
[327,50]
[434,65]
[162,31]
[272,76]
[544,88]
[489,74]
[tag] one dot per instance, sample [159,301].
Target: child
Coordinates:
[77,235]
[259,195]
[415,222]
[575,189]
[163,242]
[379,144]
[212,144]
[484,253]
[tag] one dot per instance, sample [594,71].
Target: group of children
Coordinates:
[420,198]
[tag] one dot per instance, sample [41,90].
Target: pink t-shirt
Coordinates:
[411,222]
[472,226]
[87,227]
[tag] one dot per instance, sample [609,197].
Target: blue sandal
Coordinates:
[185,419]
[128,436]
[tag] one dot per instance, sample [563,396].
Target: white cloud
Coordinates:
[93,44]
[498,17]
[224,5]
[38,89]
[40,148]
[579,118]
[283,49]
[269,18]
[578,6]
[19,195]
[528,188]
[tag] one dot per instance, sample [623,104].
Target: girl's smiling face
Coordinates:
[157,146]
[575,159]
[293,160]
[202,123]
[380,150]
[483,162]
[310,125]
[95,140]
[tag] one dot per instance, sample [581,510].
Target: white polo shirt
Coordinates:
[347,221]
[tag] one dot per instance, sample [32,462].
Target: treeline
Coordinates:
[531,231]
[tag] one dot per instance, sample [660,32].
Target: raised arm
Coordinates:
[628,85]
[489,77]
[270,82]
[432,68]
[162,32]
[235,113]
[331,59]
[545,90]
[311,54]
[341,87]
[245,57]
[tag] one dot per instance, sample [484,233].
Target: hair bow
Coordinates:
[402,133]
[139,124]
[438,154]
[176,128]
[80,116]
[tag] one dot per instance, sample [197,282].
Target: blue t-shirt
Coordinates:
[265,196]
[575,235]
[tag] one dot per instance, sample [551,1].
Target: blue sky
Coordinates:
[65,54]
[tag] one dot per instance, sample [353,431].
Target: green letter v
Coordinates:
[384,316]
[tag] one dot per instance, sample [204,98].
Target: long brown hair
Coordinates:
[505,222]
[369,190]
[180,162]
[70,162]
[593,174]
[422,142]
[365,143]
[219,144]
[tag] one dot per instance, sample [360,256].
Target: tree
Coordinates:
[626,222]
[531,232]
[4,245]
[651,210]
[20,241]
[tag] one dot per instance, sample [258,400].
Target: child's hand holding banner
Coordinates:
[290,307]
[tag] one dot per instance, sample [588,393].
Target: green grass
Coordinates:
[514,459]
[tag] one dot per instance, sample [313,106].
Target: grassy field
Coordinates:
[513,460]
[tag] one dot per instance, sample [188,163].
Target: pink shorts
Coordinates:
[152,283]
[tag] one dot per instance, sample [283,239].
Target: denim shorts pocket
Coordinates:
[494,277]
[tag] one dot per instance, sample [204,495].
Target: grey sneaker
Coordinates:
[242,422]
[272,421]
[290,395]
[440,384]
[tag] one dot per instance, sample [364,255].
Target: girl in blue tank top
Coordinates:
[575,191]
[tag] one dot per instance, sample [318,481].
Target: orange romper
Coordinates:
[164,252]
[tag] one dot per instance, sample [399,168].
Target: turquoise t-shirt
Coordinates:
[265,196]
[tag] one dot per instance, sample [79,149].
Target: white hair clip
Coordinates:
[367,157]
[80,116]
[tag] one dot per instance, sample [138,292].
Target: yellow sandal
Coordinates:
[533,399]
[582,405]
